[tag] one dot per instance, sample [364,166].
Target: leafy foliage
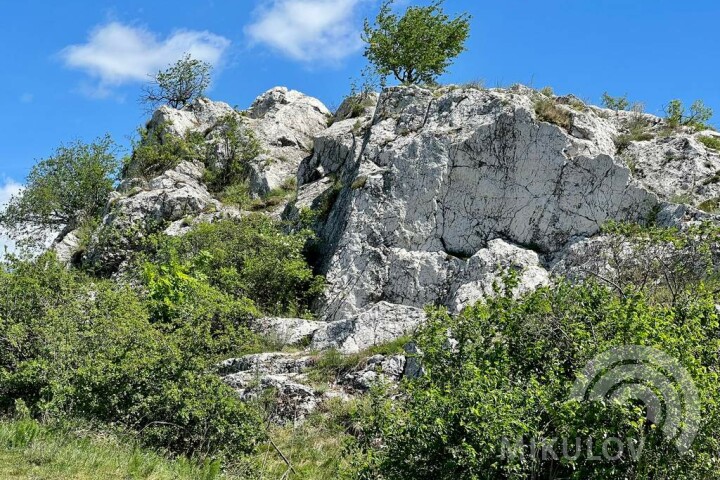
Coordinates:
[417,47]
[677,116]
[615,103]
[227,157]
[179,84]
[509,376]
[67,189]
[250,258]
[79,348]
[157,150]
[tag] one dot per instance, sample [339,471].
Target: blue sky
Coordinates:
[73,69]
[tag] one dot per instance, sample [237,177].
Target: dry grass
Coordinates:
[549,111]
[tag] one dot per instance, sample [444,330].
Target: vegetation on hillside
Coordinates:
[119,378]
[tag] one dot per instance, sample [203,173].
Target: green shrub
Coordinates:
[636,128]
[623,141]
[710,142]
[548,92]
[615,103]
[79,348]
[510,374]
[251,258]
[711,206]
[228,155]
[157,151]
[696,118]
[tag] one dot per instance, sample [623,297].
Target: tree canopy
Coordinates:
[71,186]
[179,84]
[417,47]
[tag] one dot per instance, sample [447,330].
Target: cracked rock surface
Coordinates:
[438,193]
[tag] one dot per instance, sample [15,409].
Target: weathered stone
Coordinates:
[286,331]
[440,190]
[379,324]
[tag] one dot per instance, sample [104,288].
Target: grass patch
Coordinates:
[623,141]
[30,450]
[712,143]
[710,206]
[317,449]
[548,110]
[359,182]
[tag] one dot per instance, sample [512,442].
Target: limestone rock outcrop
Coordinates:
[435,194]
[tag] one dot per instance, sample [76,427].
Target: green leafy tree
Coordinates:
[64,190]
[179,84]
[676,115]
[417,47]
[615,103]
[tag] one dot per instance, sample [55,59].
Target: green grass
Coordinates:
[30,450]
[710,142]
[548,110]
[316,449]
[331,364]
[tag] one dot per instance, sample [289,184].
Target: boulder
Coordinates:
[381,323]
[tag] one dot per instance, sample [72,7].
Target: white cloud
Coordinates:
[309,30]
[7,190]
[116,54]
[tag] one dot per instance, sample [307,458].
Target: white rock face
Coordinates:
[678,168]
[286,122]
[287,331]
[441,191]
[380,323]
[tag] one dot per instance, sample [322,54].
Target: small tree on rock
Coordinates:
[179,84]
[65,190]
[417,47]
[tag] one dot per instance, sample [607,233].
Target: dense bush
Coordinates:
[697,117]
[615,103]
[232,146]
[504,370]
[156,151]
[251,258]
[72,347]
